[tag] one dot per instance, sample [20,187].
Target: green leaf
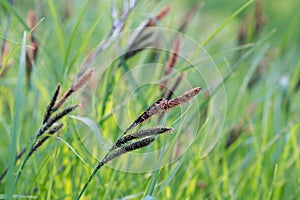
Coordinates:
[92,125]
[16,122]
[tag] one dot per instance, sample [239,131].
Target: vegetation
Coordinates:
[149,99]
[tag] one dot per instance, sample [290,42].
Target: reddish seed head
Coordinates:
[159,16]
[197,90]
[163,12]
[31,19]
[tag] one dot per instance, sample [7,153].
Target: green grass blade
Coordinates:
[154,178]
[272,187]
[88,35]
[16,122]
[223,25]
[94,128]
[72,38]
[14,12]
[11,9]
[52,176]
[59,33]
[227,21]
[173,173]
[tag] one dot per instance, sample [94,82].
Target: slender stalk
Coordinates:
[28,154]
[34,146]
[96,168]
[114,154]
[46,126]
[3,174]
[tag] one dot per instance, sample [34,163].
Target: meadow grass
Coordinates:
[255,157]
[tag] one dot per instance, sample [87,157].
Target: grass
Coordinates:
[249,151]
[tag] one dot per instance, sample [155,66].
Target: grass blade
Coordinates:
[94,128]
[59,33]
[88,35]
[72,38]
[226,22]
[151,186]
[11,9]
[16,122]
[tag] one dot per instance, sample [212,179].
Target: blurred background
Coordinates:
[252,45]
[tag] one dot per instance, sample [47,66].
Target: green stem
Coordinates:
[98,166]
[28,154]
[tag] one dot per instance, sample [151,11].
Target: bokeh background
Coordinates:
[253,45]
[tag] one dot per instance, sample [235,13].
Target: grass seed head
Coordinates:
[44,139]
[185,97]
[159,16]
[142,134]
[125,149]
[172,60]
[52,103]
[76,86]
[162,105]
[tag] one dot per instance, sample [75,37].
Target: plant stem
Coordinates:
[96,168]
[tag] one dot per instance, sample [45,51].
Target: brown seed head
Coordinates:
[172,60]
[175,51]
[83,79]
[185,97]
[77,85]
[31,19]
[259,18]
[162,105]
[142,134]
[130,147]
[52,103]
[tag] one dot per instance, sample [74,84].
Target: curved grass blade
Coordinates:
[92,125]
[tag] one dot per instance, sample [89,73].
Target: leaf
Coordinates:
[16,121]
[92,125]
